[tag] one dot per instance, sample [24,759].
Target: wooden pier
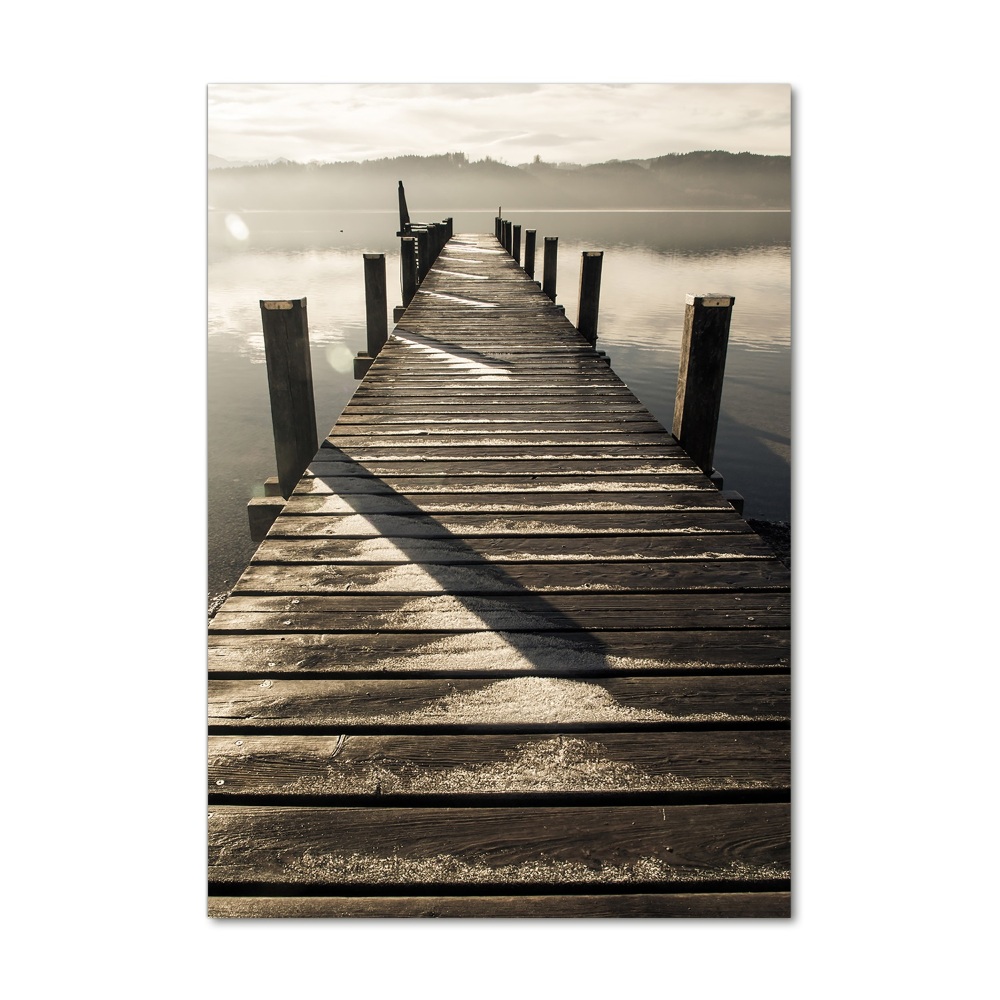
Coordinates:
[505,651]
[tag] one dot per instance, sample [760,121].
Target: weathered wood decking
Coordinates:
[506,651]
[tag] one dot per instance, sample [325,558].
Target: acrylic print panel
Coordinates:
[508,644]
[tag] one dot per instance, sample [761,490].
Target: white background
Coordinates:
[893,519]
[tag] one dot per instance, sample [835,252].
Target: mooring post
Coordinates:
[449,228]
[699,377]
[404,215]
[529,253]
[375,302]
[517,244]
[590,293]
[549,266]
[507,235]
[289,381]
[375,307]
[408,277]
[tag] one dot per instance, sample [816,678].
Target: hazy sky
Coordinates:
[577,123]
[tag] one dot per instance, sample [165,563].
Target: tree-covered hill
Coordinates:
[451,182]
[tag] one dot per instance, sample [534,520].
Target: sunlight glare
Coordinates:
[339,358]
[236,227]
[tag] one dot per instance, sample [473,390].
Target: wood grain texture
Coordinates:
[517,702]
[497,766]
[678,845]
[498,653]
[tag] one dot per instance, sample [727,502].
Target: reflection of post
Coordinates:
[549,266]
[289,380]
[699,378]
[590,293]
[517,244]
[529,253]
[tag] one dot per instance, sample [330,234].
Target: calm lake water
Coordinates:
[651,261]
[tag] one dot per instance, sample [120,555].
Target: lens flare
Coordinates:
[237,227]
[339,358]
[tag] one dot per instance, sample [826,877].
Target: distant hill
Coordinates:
[704,179]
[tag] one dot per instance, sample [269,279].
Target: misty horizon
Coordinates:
[708,179]
[216,162]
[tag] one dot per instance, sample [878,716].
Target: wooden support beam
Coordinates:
[423,254]
[699,378]
[409,276]
[549,266]
[529,252]
[375,302]
[289,380]
[590,293]
[516,239]
[261,514]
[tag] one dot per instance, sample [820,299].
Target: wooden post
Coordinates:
[449,224]
[375,302]
[496,226]
[517,244]
[529,253]
[432,243]
[409,279]
[549,266]
[289,381]
[404,215]
[423,254]
[506,235]
[590,293]
[699,378]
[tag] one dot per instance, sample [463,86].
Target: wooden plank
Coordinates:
[513,578]
[679,904]
[492,654]
[514,452]
[512,613]
[585,523]
[506,503]
[454,428]
[628,470]
[711,846]
[320,484]
[504,550]
[450,438]
[521,703]
[498,766]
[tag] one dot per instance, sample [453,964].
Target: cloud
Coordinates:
[586,122]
